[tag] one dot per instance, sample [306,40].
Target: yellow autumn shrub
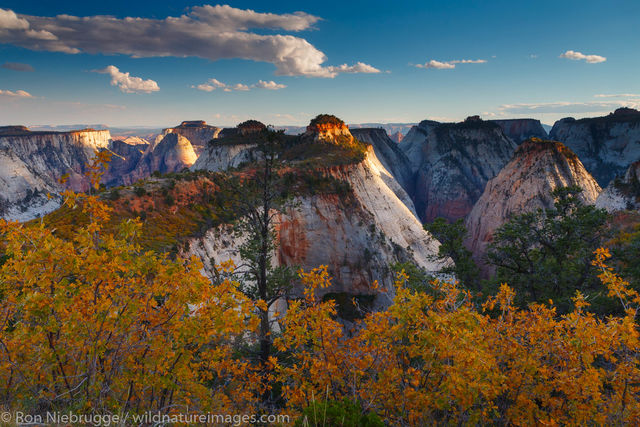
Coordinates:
[94,323]
[440,360]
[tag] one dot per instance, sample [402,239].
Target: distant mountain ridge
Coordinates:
[520,130]
[451,164]
[606,145]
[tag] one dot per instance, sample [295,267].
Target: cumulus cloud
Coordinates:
[128,84]
[449,65]
[10,21]
[437,65]
[270,85]
[213,84]
[240,87]
[210,85]
[578,56]
[359,67]
[17,66]
[211,32]
[16,94]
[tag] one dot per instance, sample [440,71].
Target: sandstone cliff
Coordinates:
[524,185]
[452,163]
[389,154]
[359,237]
[198,132]
[53,154]
[623,193]
[32,163]
[171,153]
[126,155]
[358,234]
[606,145]
[520,130]
[397,137]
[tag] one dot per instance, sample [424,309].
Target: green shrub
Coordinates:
[342,413]
[322,119]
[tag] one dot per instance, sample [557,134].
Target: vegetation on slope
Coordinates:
[96,324]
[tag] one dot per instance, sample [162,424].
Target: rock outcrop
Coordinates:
[126,155]
[359,234]
[389,154]
[172,153]
[520,130]
[525,184]
[53,154]
[452,163]
[359,237]
[623,193]
[328,128]
[606,145]
[397,137]
[198,132]
[32,164]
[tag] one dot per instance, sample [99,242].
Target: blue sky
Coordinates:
[516,49]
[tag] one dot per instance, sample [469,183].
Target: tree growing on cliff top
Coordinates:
[259,196]
[323,119]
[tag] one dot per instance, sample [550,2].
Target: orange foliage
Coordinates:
[430,360]
[97,324]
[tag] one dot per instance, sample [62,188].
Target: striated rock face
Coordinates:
[452,163]
[359,237]
[413,142]
[32,163]
[520,130]
[623,193]
[23,194]
[217,158]
[389,154]
[126,156]
[172,153]
[606,145]
[524,185]
[198,132]
[53,154]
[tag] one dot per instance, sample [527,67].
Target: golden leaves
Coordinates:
[428,361]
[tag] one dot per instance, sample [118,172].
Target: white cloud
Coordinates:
[469,61]
[211,32]
[359,67]
[449,65]
[213,84]
[270,85]
[618,95]
[210,85]
[128,84]
[16,94]
[437,65]
[10,21]
[578,56]
[567,107]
